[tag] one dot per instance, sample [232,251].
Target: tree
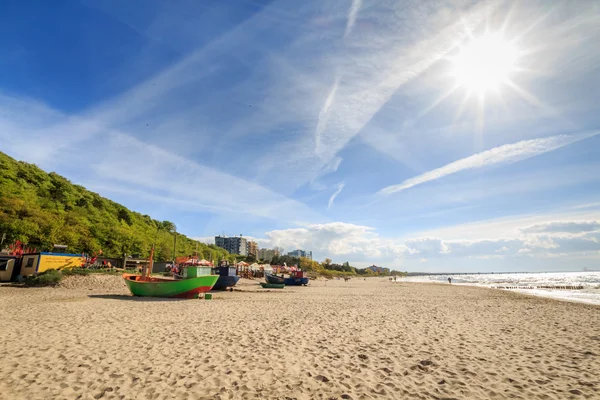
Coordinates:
[42,209]
[123,215]
[168,226]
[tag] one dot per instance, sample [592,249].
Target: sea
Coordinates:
[529,283]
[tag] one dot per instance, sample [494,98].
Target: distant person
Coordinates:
[450,280]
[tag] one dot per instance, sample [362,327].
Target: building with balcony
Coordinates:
[252,248]
[267,255]
[234,244]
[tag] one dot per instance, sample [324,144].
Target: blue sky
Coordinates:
[419,135]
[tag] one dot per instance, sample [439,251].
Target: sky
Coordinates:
[421,135]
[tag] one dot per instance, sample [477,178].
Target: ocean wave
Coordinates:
[531,283]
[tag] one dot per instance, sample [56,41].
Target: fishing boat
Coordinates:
[196,280]
[272,285]
[188,288]
[228,277]
[270,278]
[297,278]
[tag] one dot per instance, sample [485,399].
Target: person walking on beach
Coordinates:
[450,280]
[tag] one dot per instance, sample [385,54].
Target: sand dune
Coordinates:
[356,340]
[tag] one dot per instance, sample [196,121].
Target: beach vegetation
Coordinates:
[41,209]
[47,278]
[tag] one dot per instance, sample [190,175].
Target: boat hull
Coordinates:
[272,285]
[226,281]
[295,281]
[274,279]
[169,288]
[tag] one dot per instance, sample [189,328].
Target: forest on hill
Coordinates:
[42,209]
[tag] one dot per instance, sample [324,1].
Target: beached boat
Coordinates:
[227,277]
[297,278]
[188,288]
[197,279]
[272,285]
[270,278]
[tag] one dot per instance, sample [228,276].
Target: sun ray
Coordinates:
[531,99]
[462,106]
[533,25]
[533,72]
[507,18]
[437,101]
[480,121]
[504,104]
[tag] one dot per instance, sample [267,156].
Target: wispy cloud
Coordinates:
[335,194]
[141,171]
[563,227]
[352,14]
[501,155]
[367,77]
[323,115]
[586,205]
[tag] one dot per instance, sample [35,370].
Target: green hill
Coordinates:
[43,209]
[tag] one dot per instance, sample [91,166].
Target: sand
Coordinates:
[331,340]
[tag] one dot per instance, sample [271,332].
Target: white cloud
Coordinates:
[509,226]
[338,240]
[205,239]
[366,73]
[362,245]
[123,165]
[352,14]
[323,117]
[501,155]
[334,195]
[563,227]
[426,245]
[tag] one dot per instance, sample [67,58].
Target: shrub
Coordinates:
[46,278]
[75,271]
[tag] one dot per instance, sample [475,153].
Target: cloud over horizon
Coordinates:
[344,241]
[563,227]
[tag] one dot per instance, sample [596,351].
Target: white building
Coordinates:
[234,244]
[267,254]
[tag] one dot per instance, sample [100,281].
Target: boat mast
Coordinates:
[150,266]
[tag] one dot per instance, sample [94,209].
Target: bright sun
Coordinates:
[484,64]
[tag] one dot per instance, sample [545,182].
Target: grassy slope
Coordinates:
[42,209]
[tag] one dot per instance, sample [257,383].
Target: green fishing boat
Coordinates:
[272,285]
[196,280]
[188,288]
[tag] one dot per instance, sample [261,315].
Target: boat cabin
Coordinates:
[226,270]
[298,274]
[194,271]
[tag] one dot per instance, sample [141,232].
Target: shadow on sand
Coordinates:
[127,297]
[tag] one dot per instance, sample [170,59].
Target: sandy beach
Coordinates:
[332,340]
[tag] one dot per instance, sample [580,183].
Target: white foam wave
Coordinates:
[530,283]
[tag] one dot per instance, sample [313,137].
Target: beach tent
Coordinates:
[255,267]
[267,268]
[194,261]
